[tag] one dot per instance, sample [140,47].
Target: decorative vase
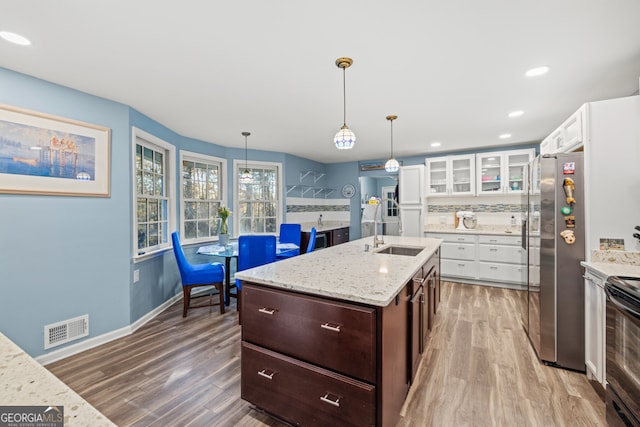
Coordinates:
[223,239]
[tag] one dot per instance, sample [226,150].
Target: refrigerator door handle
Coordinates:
[524,234]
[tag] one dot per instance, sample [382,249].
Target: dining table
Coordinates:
[229,252]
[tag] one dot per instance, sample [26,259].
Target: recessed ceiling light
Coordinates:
[436,144]
[15,38]
[516,113]
[538,71]
[505,136]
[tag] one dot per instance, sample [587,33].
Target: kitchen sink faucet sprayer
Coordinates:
[377,242]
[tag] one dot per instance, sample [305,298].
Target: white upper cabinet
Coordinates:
[501,172]
[451,176]
[568,137]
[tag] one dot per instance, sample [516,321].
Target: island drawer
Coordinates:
[303,394]
[331,334]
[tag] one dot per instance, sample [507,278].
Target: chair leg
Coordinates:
[220,288]
[186,299]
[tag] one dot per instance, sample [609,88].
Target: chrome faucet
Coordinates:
[377,242]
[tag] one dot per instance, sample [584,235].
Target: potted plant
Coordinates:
[223,229]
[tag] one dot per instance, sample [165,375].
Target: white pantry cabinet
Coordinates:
[451,175]
[594,325]
[502,172]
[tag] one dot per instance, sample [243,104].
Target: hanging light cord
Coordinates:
[245,153]
[391,138]
[344,95]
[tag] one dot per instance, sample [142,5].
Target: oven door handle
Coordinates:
[620,305]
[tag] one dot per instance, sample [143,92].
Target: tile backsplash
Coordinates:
[302,210]
[490,210]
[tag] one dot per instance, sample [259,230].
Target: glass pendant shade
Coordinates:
[246,177]
[345,138]
[392,165]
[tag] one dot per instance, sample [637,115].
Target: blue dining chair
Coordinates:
[290,233]
[196,275]
[312,240]
[253,251]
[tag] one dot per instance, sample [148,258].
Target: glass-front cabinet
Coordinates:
[451,175]
[502,171]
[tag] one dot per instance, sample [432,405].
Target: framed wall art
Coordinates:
[45,154]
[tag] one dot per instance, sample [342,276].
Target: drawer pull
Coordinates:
[331,326]
[331,399]
[460,248]
[461,239]
[493,240]
[266,373]
[493,249]
[418,279]
[461,265]
[493,268]
[266,310]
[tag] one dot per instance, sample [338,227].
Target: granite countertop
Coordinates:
[504,230]
[326,226]
[614,263]
[613,269]
[347,271]
[24,382]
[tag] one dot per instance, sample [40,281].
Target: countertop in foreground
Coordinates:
[347,271]
[24,382]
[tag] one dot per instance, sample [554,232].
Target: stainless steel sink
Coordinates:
[400,250]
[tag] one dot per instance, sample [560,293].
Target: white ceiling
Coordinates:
[451,70]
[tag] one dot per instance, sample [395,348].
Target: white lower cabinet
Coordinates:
[481,259]
[594,325]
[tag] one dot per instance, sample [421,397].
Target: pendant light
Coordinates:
[345,138]
[392,164]
[245,175]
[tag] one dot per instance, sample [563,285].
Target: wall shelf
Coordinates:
[302,190]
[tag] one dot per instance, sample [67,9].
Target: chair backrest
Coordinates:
[181,259]
[255,250]
[312,240]
[290,233]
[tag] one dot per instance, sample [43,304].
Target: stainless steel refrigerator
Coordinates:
[553,232]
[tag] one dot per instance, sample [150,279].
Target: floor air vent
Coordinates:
[65,331]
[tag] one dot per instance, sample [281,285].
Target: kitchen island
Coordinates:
[334,337]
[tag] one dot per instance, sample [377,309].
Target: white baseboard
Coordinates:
[89,343]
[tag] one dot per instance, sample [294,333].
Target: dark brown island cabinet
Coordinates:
[317,361]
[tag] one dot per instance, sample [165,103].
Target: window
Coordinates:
[201,181]
[154,160]
[258,205]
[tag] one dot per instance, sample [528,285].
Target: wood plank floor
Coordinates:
[479,370]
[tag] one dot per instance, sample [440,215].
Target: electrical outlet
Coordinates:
[136,276]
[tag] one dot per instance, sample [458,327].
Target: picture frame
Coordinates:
[50,155]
